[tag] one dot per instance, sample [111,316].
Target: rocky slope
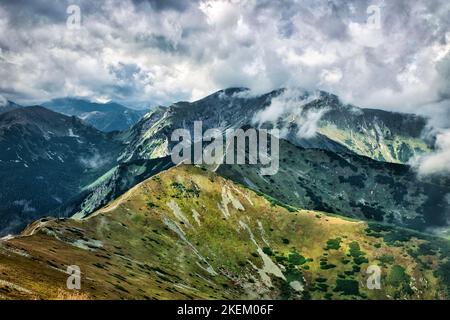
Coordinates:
[103,116]
[378,134]
[187,234]
[46,159]
[308,119]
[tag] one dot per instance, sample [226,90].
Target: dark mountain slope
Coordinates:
[111,185]
[7,105]
[46,158]
[350,185]
[103,116]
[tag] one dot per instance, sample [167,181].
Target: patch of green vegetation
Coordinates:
[178,186]
[357,254]
[398,276]
[192,191]
[274,202]
[347,287]
[280,259]
[324,265]
[334,244]
[386,259]
[399,235]
[151,204]
[348,142]
[322,287]
[356,268]
[268,251]
[293,274]
[296,258]
[426,249]
[444,273]
[390,235]
[400,279]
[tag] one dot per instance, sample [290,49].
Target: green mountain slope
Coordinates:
[187,233]
[350,185]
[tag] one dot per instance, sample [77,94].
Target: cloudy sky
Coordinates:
[387,54]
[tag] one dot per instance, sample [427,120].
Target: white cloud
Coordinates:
[309,122]
[331,76]
[437,162]
[289,107]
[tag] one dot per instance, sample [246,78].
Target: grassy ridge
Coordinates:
[187,233]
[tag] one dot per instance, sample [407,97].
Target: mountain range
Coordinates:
[106,117]
[113,203]
[380,135]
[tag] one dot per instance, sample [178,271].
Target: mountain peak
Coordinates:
[35,112]
[233,90]
[110,116]
[226,93]
[7,105]
[40,119]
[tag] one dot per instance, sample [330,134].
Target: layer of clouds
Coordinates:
[437,162]
[157,52]
[287,109]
